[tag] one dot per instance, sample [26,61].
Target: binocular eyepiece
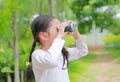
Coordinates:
[71,27]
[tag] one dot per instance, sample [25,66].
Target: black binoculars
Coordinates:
[71,27]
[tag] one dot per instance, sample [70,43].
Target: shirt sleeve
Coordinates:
[80,50]
[48,59]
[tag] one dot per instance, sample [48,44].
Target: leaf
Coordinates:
[92,1]
[6,70]
[98,12]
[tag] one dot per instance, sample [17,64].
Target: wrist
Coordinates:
[60,36]
[77,35]
[80,37]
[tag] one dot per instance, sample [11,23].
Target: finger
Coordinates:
[67,33]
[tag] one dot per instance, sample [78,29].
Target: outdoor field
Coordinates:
[98,20]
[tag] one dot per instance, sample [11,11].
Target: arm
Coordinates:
[78,51]
[81,48]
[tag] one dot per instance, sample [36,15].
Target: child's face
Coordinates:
[53,30]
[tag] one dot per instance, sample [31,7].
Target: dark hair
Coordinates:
[41,24]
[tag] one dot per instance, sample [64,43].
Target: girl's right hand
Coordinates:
[61,28]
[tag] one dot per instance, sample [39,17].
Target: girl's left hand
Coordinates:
[75,34]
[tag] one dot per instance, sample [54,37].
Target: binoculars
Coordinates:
[71,27]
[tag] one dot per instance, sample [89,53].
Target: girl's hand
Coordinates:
[61,28]
[77,35]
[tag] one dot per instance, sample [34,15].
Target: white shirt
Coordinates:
[47,65]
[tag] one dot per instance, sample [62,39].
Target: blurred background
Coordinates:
[99,20]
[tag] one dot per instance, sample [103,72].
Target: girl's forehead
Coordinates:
[55,21]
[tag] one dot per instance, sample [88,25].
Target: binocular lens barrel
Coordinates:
[71,27]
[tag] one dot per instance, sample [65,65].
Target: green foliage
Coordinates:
[112,47]
[25,10]
[77,67]
[6,58]
[6,70]
[95,12]
[24,52]
[114,52]
[69,41]
[2,59]
[112,41]
[111,38]
[116,27]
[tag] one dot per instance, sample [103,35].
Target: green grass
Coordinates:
[115,52]
[77,67]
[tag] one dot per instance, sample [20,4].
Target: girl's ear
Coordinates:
[43,35]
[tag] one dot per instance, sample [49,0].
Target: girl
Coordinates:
[50,62]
